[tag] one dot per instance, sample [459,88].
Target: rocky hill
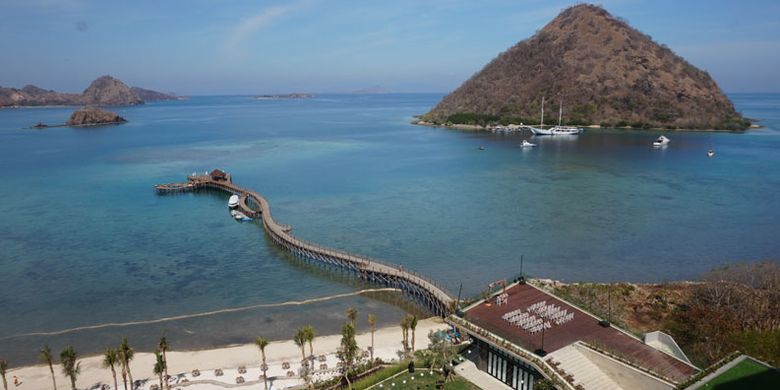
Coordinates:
[602,70]
[104,91]
[90,116]
[147,95]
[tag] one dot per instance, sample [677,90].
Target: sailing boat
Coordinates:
[540,130]
[564,130]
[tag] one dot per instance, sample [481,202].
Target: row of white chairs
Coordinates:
[502,299]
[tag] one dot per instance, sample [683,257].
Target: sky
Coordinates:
[207,47]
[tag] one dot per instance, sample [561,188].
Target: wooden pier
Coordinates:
[253,205]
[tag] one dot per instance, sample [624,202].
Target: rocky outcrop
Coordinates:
[602,70]
[90,116]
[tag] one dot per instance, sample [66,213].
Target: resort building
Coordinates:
[523,334]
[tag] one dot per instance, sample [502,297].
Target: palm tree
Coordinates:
[164,348]
[413,326]
[121,356]
[405,333]
[372,328]
[127,356]
[46,358]
[309,331]
[261,343]
[159,366]
[3,370]
[70,366]
[352,316]
[110,360]
[300,341]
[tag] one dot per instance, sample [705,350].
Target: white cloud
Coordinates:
[251,25]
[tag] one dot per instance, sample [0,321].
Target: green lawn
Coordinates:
[747,374]
[423,379]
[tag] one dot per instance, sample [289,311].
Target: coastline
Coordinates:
[387,343]
[477,128]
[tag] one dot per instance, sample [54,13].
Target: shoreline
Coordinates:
[387,343]
[477,128]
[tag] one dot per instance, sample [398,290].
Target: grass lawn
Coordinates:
[423,380]
[747,374]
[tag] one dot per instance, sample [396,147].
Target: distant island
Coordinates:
[296,95]
[374,89]
[104,91]
[601,71]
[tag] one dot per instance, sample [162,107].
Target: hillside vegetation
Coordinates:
[603,71]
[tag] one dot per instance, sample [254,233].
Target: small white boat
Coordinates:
[661,141]
[239,216]
[710,153]
[527,144]
[233,201]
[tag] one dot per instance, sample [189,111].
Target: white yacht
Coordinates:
[710,153]
[233,201]
[661,141]
[556,130]
[527,144]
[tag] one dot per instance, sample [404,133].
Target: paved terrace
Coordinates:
[582,327]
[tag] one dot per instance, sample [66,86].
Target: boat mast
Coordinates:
[541,122]
[560,112]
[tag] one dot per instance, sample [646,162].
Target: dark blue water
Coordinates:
[84,240]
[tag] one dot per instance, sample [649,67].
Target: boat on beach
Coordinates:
[661,141]
[233,201]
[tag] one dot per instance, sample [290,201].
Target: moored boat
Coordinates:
[661,141]
[233,201]
[526,144]
[710,153]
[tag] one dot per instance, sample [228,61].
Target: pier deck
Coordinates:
[254,205]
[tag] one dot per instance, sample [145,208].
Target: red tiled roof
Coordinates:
[582,327]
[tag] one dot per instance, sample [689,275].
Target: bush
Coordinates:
[466,118]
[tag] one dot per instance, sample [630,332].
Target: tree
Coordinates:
[405,334]
[159,366]
[309,331]
[372,328]
[413,326]
[300,341]
[441,349]
[110,360]
[46,357]
[3,371]
[348,351]
[261,343]
[352,316]
[126,353]
[70,365]
[163,346]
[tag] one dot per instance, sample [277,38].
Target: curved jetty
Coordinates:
[252,204]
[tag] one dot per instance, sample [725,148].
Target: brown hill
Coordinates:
[87,116]
[108,91]
[603,70]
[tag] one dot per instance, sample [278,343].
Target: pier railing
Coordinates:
[435,297]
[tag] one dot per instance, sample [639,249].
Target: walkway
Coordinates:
[252,204]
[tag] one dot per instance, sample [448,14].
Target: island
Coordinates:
[599,72]
[104,91]
[297,95]
[93,116]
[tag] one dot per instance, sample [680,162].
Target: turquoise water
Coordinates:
[84,240]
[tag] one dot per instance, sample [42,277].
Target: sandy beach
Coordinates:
[387,342]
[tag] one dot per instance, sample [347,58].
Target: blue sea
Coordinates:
[85,241]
